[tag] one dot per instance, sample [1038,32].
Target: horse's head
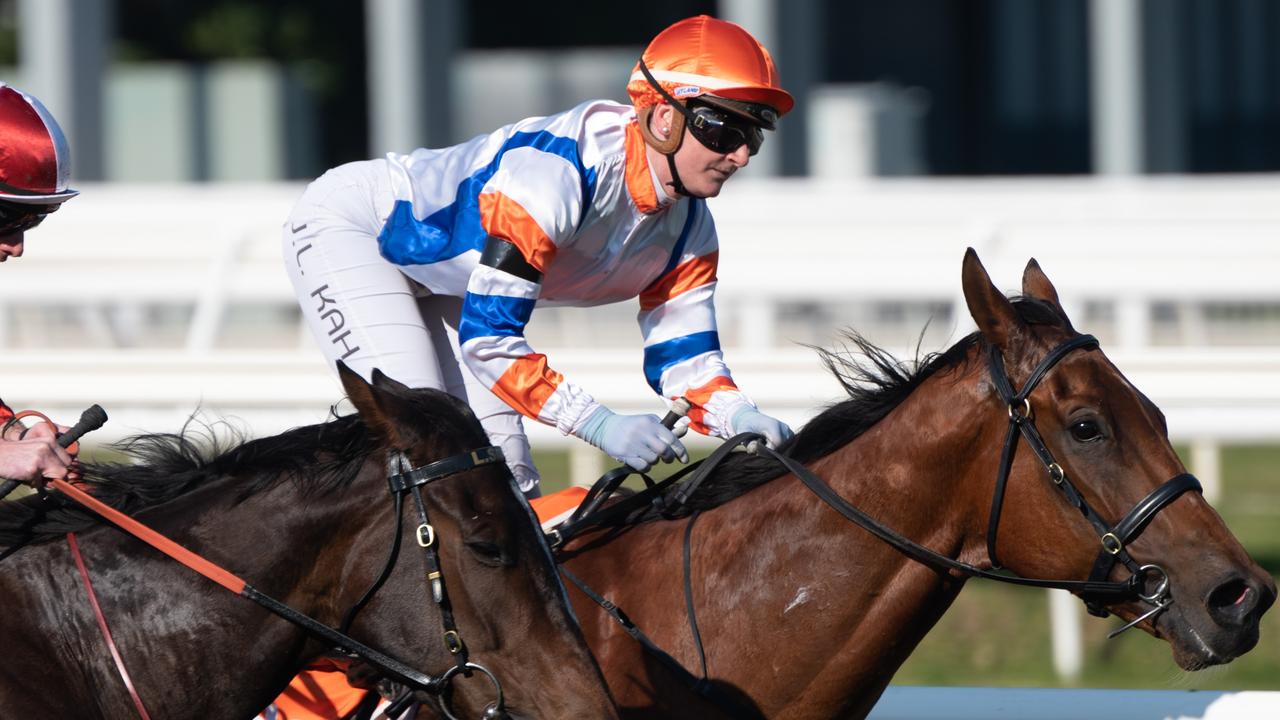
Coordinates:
[510,608]
[1111,445]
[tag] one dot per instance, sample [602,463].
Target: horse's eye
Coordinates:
[1085,430]
[488,553]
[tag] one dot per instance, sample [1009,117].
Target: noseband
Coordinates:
[1114,538]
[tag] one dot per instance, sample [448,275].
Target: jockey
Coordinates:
[428,265]
[34,169]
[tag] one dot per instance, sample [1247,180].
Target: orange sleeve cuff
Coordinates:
[700,396]
[527,384]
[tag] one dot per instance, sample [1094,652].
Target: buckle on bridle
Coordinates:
[453,641]
[1024,412]
[1057,474]
[426,535]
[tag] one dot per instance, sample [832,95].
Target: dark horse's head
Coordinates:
[1113,444]
[501,581]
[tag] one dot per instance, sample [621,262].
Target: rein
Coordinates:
[1095,591]
[406,479]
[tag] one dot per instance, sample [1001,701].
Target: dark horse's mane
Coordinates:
[165,466]
[875,382]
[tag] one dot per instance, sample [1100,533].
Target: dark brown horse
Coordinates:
[804,614]
[305,517]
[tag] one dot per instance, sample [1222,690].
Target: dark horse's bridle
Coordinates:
[402,478]
[1096,591]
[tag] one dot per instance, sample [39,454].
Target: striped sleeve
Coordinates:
[529,208]
[681,344]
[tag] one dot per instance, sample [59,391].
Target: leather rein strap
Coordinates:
[392,668]
[105,629]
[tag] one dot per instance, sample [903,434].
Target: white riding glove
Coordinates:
[750,419]
[637,440]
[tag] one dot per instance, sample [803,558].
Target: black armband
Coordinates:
[505,256]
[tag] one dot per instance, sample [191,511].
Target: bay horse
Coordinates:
[307,517]
[803,614]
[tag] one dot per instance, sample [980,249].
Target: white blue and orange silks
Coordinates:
[574,194]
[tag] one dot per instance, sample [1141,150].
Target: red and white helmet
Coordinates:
[35,159]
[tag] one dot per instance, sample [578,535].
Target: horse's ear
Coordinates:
[1036,284]
[991,310]
[383,381]
[371,401]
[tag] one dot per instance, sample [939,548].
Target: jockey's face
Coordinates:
[15,220]
[11,245]
[702,170]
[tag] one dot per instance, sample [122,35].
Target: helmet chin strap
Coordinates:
[670,145]
[676,184]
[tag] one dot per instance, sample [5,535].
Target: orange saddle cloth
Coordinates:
[320,692]
[555,508]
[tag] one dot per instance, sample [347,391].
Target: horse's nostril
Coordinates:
[1230,594]
[1231,602]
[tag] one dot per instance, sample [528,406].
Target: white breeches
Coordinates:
[362,310]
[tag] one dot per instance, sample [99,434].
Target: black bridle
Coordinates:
[1113,538]
[1096,591]
[403,478]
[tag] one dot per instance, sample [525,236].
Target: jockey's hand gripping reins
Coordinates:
[91,419]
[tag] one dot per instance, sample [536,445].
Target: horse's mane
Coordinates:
[875,383]
[164,466]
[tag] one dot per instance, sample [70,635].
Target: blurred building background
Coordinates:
[283,89]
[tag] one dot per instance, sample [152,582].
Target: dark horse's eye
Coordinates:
[487,552]
[1085,430]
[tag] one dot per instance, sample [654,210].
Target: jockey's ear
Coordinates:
[378,407]
[991,310]
[1035,284]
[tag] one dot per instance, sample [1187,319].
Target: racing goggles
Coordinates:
[722,132]
[19,217]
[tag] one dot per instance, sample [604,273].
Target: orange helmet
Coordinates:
[705,56]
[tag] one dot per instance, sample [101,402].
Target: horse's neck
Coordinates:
[853,604]
[228,651]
